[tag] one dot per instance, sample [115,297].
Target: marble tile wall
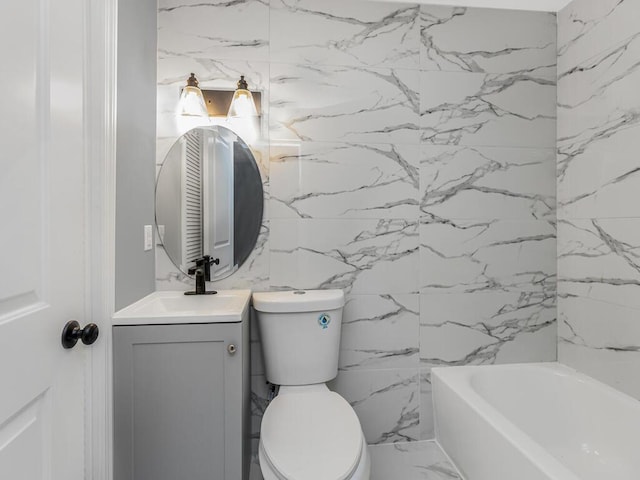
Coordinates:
[598,185]
[408,158]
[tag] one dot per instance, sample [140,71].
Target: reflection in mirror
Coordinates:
[209,200]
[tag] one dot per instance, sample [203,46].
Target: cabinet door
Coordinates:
[177,402]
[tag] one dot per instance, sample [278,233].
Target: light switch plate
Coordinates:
[148,237]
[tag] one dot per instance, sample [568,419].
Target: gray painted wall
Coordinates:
[135,164]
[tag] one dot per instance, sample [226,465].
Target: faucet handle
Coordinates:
[211,261]
[203,264]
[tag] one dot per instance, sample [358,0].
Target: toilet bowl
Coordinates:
[311,433]
[308,432]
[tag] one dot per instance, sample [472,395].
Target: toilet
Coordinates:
[308,432]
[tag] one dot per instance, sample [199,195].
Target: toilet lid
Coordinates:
[312,436]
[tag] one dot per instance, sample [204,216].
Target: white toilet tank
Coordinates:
[300,333]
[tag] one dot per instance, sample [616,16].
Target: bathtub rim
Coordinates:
[457,381]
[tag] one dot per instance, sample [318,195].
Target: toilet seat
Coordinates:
[311,435]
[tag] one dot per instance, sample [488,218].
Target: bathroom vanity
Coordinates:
[181,387]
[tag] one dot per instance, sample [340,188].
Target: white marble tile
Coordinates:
[602,340]
[254,469]
[411,461]
[587,27]
[598,325]
[490,183]
[214,29]
[598,181]
[360,256]
[598,125]
[260,398]
[344,104]
[487,328]
[327,180]
[461,108]
[618,369]
[484,256]
[380,331]
[257,358]
[386,401]
[487,40]
[334,32]
[342,115]
[591,90]
[214,73]
[427,420]
[600,259]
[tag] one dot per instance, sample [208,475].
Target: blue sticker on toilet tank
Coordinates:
[324,320]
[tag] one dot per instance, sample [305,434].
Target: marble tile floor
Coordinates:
[411,461]
[402,461]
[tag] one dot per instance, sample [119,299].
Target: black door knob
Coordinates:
[72,332]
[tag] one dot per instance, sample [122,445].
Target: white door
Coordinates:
[217,201]
[42,238]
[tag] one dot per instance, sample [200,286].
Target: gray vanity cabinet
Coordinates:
[181,400]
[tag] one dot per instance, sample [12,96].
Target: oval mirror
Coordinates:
[209,200]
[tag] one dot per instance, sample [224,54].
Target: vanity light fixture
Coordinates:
[192,102]
[242,105]
[239,103]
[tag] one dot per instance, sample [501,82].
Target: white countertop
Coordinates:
[165,308]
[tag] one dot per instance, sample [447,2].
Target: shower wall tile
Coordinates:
[587,27]
[598,181]
[338,180]
[471,256]
[598,135]
[601,339]
[214,29]
[487,40]
[600,259]
[490,183]
[334,32]
[386,402]
[427,420]
[359,256]
[487,328]
[345,104]
[380,332]
[214,73]
[461,108]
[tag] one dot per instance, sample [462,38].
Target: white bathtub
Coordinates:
[535,422]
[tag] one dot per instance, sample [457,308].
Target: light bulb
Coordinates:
[191,100]
[242,105]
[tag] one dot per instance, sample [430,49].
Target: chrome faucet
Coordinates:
[202,271]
